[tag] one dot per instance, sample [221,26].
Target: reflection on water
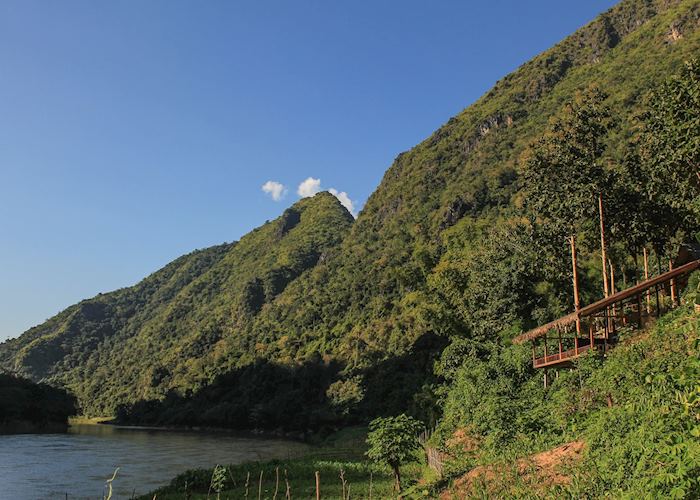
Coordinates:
[47,466]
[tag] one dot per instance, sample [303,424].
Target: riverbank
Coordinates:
[300,436]
[29,427]
[357,478]
[339,460]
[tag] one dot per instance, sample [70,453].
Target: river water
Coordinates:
[49,466]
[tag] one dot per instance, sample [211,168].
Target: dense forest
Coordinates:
[314,320]
[29,407]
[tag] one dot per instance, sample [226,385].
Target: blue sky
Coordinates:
[133,132]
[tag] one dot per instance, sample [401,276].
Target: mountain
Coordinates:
[172,329]
[349,316]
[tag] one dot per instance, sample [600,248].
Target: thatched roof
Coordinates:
[557,324]
[602,304]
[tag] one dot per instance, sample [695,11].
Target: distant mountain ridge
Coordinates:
[314,286]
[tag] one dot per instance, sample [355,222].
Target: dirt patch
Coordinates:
[542,470]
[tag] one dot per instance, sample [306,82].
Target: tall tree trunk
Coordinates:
[577,303]
[673,284]
[646,277]
[606,290]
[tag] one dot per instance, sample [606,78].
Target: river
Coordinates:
[49,466]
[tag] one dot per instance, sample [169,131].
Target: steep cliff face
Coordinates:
[314,287]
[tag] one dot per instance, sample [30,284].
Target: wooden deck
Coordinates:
[560,358]
[597,324]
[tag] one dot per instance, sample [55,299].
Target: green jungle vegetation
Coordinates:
[314,321]
[637,412]
[358,480]
[29,407]
[341,453]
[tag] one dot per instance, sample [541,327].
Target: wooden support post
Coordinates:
[318,485]
[612,291]
[612,278]
[576,345]
[646,277]
[533,353]
[590,335]
[545,347]
[673,284]
[602,245]
[560,346]
[577,303]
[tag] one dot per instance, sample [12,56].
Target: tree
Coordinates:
[563,174]
[562,171]
[669,146]
[394,441]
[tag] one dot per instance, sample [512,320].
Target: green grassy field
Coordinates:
[339,460]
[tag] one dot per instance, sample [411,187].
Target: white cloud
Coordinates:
[344,200]
[275,189]
[309,187]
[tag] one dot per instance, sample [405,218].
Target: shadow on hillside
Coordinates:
[271,396]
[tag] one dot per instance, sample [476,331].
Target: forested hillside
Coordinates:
[350,316]
[29,407]
[173,329]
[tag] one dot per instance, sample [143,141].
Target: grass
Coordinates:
[79,420]
[340,453]
[243,481]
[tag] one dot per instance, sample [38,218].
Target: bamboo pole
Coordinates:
[612,278]
[673,284]
[288,492]
[545,348]
[602,245]
[260,485]
[577,303]
[612,292]
[318,485]
[646,277]
[560,346]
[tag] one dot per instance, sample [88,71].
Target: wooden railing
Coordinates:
[557,357]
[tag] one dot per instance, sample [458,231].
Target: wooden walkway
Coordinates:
[601,319]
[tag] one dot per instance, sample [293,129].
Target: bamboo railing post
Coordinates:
[673,284]
[612,291]
[602,245]
[577,303]
[560,346]
[646,277]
